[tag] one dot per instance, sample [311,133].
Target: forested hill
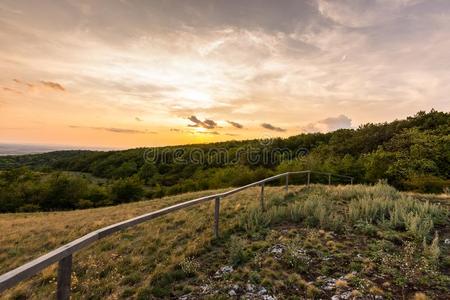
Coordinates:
[411,154]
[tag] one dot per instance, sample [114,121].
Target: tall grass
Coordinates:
[397,212]
[343,207]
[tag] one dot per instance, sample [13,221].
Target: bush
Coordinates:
[426,184]
[190,266]
[126,190]
[398,212]
[62,191]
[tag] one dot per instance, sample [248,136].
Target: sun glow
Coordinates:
[200,130]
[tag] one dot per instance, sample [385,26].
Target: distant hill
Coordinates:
[21,149]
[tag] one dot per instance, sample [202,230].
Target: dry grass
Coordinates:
[124,261]
[157,258]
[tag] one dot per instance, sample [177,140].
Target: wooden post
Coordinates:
[329,179]
[287,183]
[64,278]
[309,178]
[216,216]
[351,181]
[262,196]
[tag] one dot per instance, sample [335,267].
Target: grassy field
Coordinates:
[317,242]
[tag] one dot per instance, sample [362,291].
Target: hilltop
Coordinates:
[316,242]
[411,154]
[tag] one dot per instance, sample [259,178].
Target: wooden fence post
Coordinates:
[287,183]
[262,196]
[216,216]
[309,178]
[329,179]
[64,278]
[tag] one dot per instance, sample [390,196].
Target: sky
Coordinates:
[130,73]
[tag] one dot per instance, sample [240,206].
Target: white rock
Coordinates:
[330,284]
[223,270]
[262,291]
[232,293]
[250,287]
[346,295]
[447,241]
[277,249]
[205,289]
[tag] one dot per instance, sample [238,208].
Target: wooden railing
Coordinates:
[63,254]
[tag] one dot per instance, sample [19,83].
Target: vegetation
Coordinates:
[316,242]
[411,154]
[22,190]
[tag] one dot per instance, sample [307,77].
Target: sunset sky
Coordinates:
[131,73]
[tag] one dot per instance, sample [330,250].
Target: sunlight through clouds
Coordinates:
[290,64]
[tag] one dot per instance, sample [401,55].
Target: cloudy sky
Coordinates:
[130,73]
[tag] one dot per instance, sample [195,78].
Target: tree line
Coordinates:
[410,154]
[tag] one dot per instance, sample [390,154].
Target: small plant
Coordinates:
[296,258]
[254,222]
[341,284]
[190,266]
[238,254]
[432,251]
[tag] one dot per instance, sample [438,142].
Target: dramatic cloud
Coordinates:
[116,130]
[329,124]
[271,127]
[235,124]
[208,124]
[284,62]
[54,85]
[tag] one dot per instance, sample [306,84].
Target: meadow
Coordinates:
[350,242]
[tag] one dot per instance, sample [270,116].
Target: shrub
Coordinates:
[190,266]
[238,254]
[126,190]
[62,191]
[426,184]
[254,222]
[400,213]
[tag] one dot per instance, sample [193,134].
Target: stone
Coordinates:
[224,270]
[250,287]
[277,249]
[262,291]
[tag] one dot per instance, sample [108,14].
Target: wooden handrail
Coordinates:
[63,254]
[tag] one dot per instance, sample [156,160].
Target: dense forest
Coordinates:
[411,154]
